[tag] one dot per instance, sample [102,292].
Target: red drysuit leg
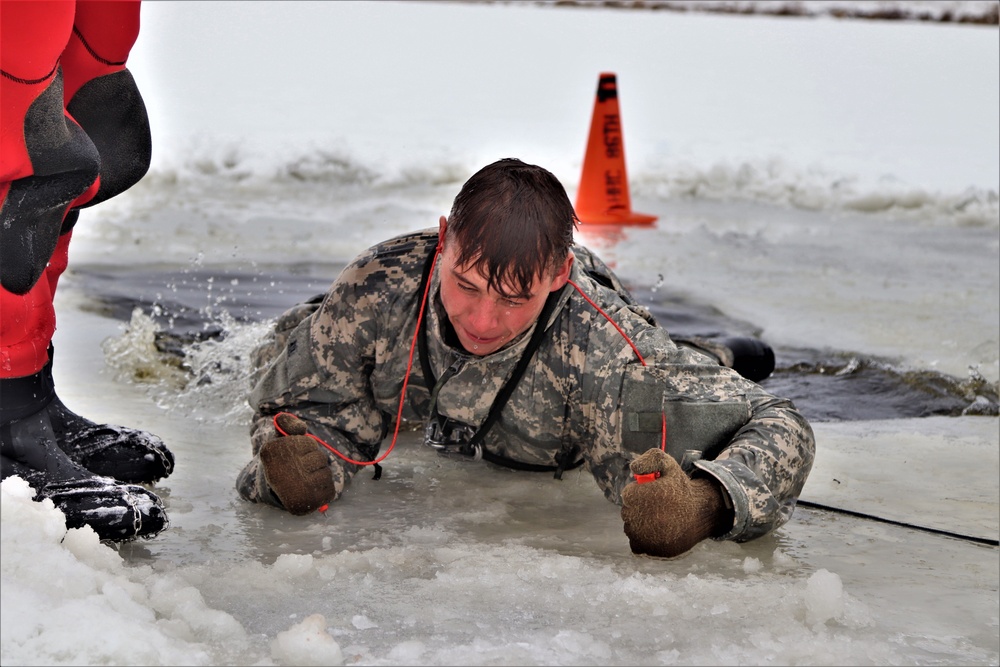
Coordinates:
[59,60]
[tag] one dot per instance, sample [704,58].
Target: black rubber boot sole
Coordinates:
[116,512]
[123,453]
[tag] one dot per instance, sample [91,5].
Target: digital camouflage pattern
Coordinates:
[339,364]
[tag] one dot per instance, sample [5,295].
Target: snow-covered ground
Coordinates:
[945,11]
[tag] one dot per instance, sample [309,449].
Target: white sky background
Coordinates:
[876,100]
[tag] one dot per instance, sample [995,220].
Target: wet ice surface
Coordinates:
[442,562]
[449,559]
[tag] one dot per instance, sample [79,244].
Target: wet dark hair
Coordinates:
[512,221]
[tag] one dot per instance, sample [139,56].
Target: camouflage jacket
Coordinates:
[585,396]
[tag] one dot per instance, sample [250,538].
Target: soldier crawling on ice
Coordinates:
[514,346]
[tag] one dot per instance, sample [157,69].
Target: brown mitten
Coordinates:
[296,468]
[670,513]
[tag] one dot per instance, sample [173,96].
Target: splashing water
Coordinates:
[208,382]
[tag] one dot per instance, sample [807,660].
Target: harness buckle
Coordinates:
[452,438]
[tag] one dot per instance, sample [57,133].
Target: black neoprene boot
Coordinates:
[750,357]
[116,512]
[126,454]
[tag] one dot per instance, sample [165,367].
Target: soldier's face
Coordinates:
[484,319]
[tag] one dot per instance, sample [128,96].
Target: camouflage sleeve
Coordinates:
[758,446]
[318,363]
[594,267]
[270,363]
[765,465]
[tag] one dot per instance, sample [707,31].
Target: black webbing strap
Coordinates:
[425,363]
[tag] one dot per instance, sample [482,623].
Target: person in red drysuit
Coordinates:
[73,133]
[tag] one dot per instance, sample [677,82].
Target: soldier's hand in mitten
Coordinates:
[297,467]
[668,513]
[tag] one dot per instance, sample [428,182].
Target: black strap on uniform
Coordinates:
[507,390]
[425,364]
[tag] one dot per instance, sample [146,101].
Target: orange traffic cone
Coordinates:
[603,196]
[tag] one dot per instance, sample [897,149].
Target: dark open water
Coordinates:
[188,303]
